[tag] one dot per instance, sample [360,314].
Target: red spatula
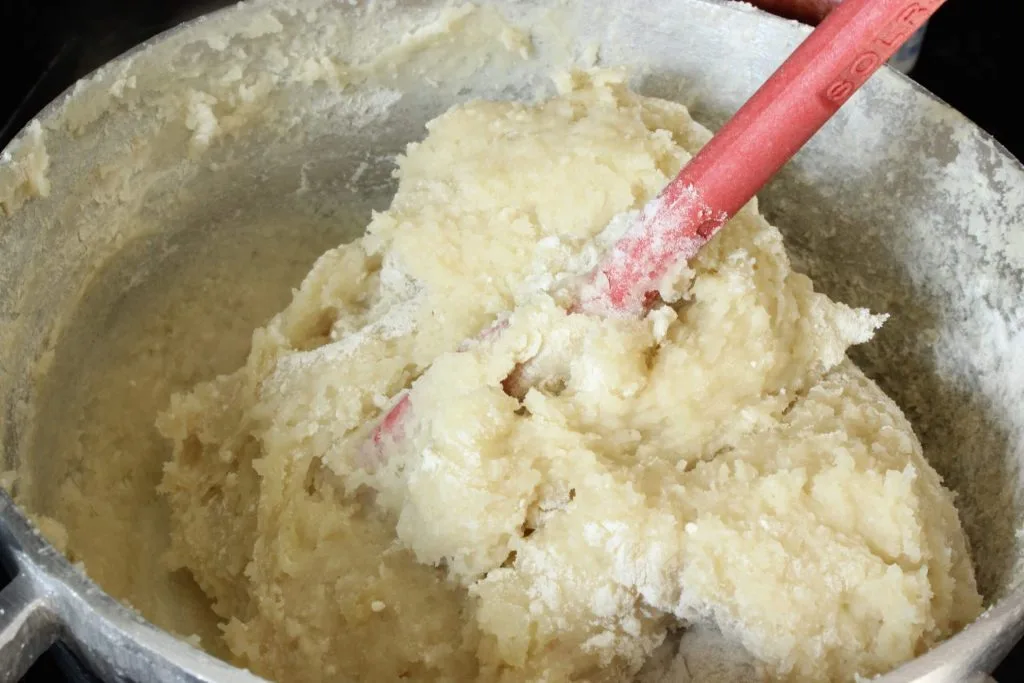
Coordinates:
[811,85]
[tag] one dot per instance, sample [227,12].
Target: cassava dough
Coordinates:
[718,463]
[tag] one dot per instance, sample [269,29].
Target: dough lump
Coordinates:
[719,463]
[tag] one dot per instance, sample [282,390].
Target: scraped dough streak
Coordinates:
[718,462]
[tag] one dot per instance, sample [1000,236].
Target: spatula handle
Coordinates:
[853,41]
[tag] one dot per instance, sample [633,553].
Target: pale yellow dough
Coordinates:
[719,462]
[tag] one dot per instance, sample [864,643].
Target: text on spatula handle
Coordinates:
[904,23]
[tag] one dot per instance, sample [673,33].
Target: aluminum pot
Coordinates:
[899,204]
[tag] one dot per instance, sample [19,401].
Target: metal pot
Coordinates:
[899,204]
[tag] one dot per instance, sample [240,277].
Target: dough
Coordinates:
[718,463]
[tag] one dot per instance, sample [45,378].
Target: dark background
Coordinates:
[971,59]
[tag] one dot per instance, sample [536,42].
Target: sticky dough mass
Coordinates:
[717,463]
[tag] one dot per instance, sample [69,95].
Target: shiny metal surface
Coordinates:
[50,598]
[28,625]
[882,209]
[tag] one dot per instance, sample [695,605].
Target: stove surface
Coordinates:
[967,57]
